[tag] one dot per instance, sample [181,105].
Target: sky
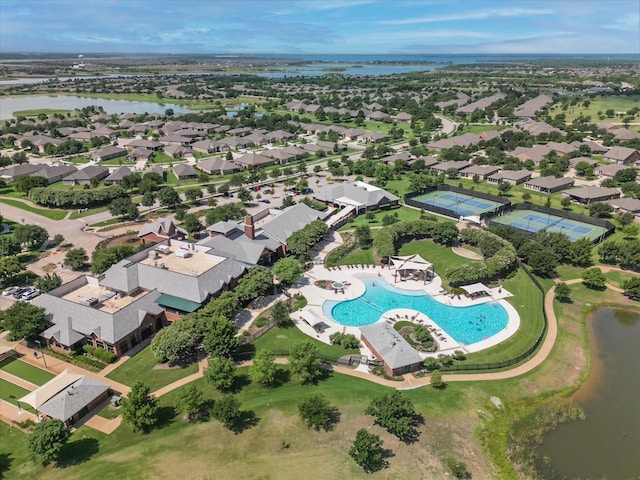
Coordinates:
[320,26]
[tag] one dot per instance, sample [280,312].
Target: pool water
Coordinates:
[466,325]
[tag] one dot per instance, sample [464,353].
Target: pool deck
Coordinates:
[354,287]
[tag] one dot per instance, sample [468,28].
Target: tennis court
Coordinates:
[459,203]
[532,221]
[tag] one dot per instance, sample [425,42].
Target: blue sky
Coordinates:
[320,26]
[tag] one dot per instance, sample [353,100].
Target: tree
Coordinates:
[436,379]
[48,282]
[174,346]
[193,194]
[76,258]
[23,320]
[220,373]
[9,246]
[394,412]
[526,196]
[220,340]
[227,411]
[594,278]
[10,267]
[631,230]
[625,218]
[504,188]
[600,210]
[148,199]
[280,314]
[287,270]
[168,197]
[25,183]
[444,233]
[30,235]
[631,288]
[191,403]
[102,259]
[363,235]
[123,207]
[256,283]
[304,363]
[563,292]
[566,203]
[191,223]
[367,451]
[47,439]
[264,369]
[316,412]
[580,252]
[244,195]
[140,408]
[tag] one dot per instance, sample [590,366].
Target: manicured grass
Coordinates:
[442,258]
[49,213]
[358,257]
[80,159]
[116,161]
[12,393]
[105,223]
[601,103]
[36,112]
[140,368]
[25,371]
[405,214]
[618,278]
[398,187]
[477,128]
[281,339]
[568,272]
[86,213]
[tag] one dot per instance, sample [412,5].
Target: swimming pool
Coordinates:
[466,325]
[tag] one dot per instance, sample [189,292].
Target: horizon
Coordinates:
[330,27]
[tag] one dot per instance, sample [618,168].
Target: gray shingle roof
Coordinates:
[292,219]
[243,251]
[365,195]
[394,350]
[74,398]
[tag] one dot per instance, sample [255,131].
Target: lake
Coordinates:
[607,443]
[10,104]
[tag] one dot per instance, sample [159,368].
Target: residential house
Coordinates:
[623,155]
[177,151]
[482,171]
[13,172]
[549,184]
[626,205]
[217,166]
[529,108]
[86,175]
[372,137]
[140,154]
[514,177]
[183,171]
[588,195]
[117,175]
[610,169]
[55,173]
[442,168]
[107,153]
[481,104]
[254,160]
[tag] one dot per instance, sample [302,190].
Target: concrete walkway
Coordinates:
[203,363]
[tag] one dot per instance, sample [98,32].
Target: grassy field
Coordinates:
[477,128]
[25,371]
[616,278]
[140,368]
[442,258]
[282,339]
[405,214]
[600,103]
[358,257]
[12,393]
[35,112]
[53,214]
[86,213]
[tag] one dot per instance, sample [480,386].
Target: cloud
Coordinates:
[628,22]
[479,15]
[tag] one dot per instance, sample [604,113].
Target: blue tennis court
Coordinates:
[532,221]
[459,203]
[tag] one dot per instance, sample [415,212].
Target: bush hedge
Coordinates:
[75,198]
[101,354]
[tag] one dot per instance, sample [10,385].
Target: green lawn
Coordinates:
[358,257]
[53,214]
[12,393]
[617,278]
[282,339]
[105,223]
[442,258]
[602,103]
[35,112]
[477,128]
[25,371]
[85,213]
[140,368]
[405,214]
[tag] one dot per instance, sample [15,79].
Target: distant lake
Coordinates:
[320,69]
[607,443]
[10,104]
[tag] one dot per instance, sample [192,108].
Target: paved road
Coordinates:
[448,126]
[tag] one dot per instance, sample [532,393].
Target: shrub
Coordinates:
[262,321]
[103,355]
[347,341]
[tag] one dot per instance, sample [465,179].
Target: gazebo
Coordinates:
[476,290]
[411,263]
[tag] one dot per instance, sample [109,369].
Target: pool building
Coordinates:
[397,356]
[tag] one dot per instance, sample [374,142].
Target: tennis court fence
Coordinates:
[505,203]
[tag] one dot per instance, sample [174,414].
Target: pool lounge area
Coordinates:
[410,299]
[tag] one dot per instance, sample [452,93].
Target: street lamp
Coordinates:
[42,353]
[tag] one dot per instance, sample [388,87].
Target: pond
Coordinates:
[10,104]
[607,443]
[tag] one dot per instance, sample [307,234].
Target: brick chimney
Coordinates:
[249,229]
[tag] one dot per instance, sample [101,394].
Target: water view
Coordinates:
[607,443]
[9,105]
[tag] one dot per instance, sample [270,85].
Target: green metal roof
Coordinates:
[177,303]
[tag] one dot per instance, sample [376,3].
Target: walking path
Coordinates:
[465,253]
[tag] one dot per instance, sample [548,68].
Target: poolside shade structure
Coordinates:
[411,264]
[476,290]
[67,397]
[314,320]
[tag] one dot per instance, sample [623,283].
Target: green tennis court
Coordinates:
[532,221]
[459,203]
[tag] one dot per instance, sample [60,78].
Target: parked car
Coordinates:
[265,200]
[7,292]
[28,295]
[307,190]
[18,293]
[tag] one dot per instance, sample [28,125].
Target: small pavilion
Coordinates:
[476,290]
[412,266]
